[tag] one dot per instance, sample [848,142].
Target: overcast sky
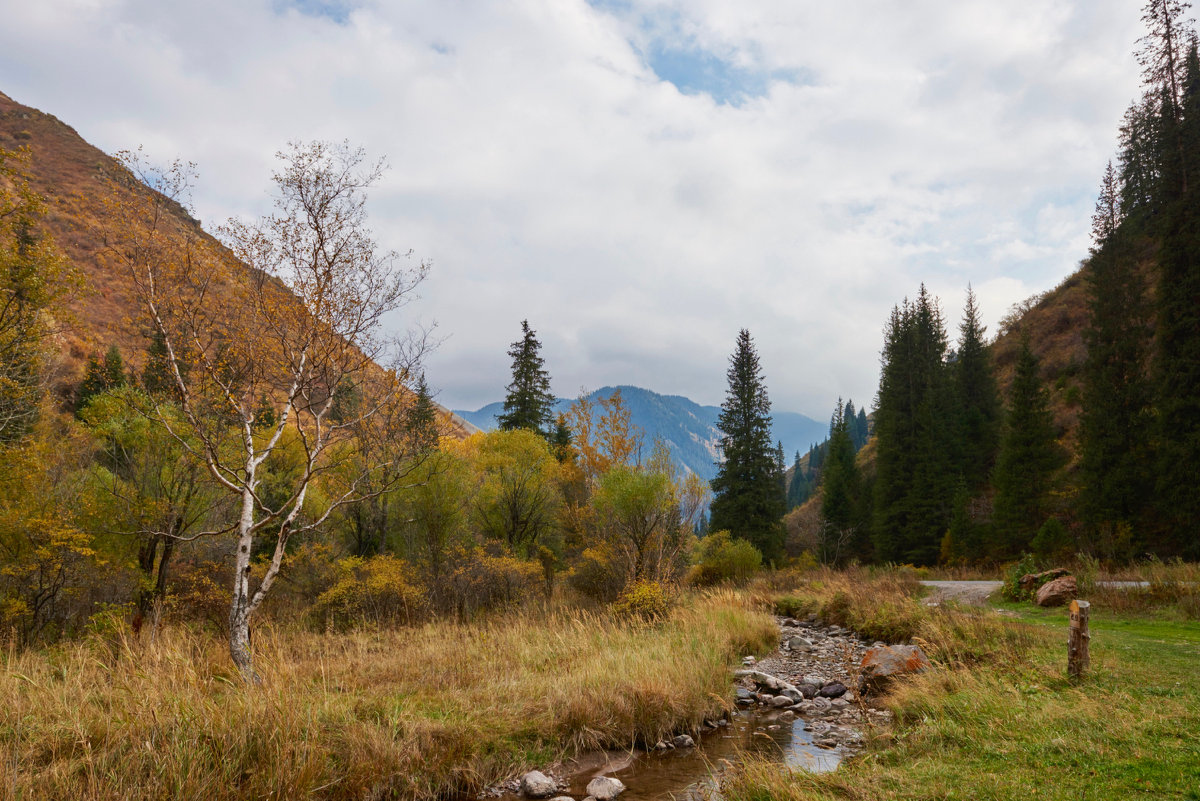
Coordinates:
[638,178]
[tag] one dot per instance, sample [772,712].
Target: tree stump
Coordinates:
[1078,660]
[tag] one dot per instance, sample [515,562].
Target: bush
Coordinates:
[377,591]
[482,581]
[721,558]
[645,599]
[1012,588]
[596,576]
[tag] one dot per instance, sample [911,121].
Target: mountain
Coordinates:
[74,179]
[689,429]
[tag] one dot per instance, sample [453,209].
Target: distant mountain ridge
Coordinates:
[689,429]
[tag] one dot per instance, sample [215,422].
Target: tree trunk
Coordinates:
[239,609]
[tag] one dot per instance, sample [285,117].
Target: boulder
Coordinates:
[799,644]
[679,741]
[536,784]
[780,701]
[881,665]
[605,788]
[1031,581]
[808,690]
[1057,592]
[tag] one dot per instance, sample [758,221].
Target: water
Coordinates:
[689,773]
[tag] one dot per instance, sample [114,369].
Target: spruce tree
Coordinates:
[1177,364]
[420,419]
[101,375]
[747,497]
[1028,459]
[529,402]
[1114,433]
[840,525]
[978,402]
[915,480]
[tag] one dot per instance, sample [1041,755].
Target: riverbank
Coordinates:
[434,711]
[997,719]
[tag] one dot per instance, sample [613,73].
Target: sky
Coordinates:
[639,179]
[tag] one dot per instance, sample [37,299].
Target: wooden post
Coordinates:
[1078,660]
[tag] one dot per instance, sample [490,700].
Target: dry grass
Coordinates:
[418,713]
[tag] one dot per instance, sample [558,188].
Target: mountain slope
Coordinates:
[689,429]
[73,178]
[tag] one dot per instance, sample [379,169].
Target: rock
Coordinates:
[811,679]
[679,741]
[808,690]
[605,788]
[787,716]
[1031,581]
[662,746]
[536,784]
[1057,592]
[745,702]
[780,701]
[834,689]
[748,660]
[562,798]
[820,705]
[881,665]
[795,695]
[799,644]
[840,703]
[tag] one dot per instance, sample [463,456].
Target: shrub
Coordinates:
[378,591]
[596,575]
[721,558]
[482,581]
[645,599]
[1052,540]
[1012,578]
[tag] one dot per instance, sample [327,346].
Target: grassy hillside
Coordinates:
[73,178]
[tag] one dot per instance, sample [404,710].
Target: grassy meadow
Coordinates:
[997,718]
[415,713]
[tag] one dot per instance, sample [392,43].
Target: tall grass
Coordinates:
[414,713]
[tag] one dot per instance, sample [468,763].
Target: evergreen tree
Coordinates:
[747,498]
[101,375]
[1177,367]
[420,419]
[529,402]
[914,483]
[1028,458]
[1115,469]
[977,399]
[840,525]
[862,427]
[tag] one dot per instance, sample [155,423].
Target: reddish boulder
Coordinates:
[1057,592]
[1031,581]
[883,663]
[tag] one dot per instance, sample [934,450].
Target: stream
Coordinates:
[689,773]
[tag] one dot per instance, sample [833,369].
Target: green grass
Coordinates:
[1013,727]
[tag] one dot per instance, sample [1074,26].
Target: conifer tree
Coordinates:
[1029,455]
[915,481]
[1177,366]
[420,420]
[1115,469]
[747,497]
[862,427]
[978,402]
[840,530]
[529,402]
[101,375]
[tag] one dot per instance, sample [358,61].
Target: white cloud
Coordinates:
[549,173]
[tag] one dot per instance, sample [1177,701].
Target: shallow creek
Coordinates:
[689,772]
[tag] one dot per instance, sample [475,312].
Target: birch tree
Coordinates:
[262,337]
